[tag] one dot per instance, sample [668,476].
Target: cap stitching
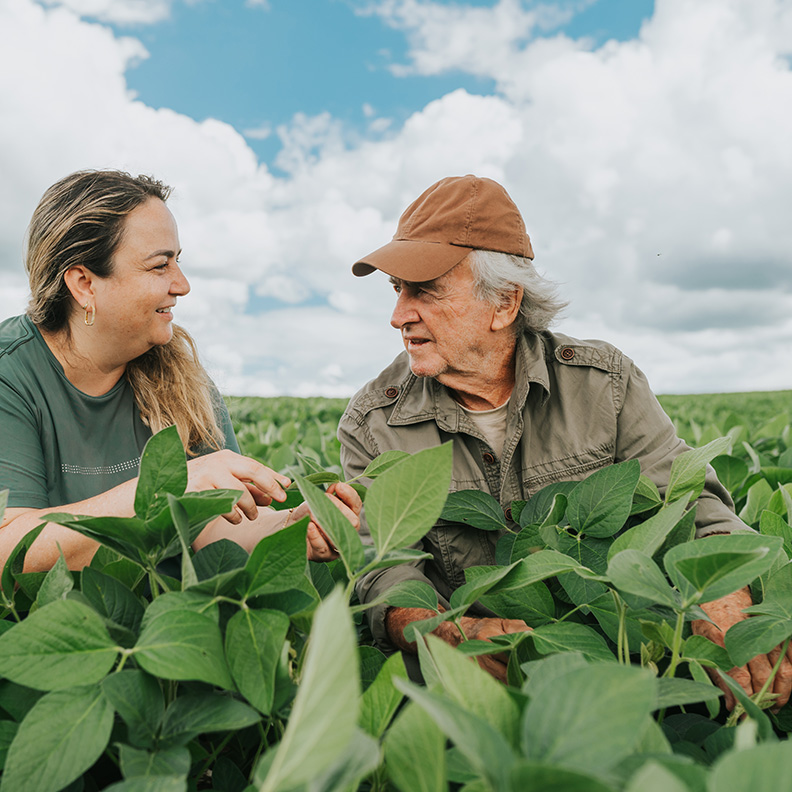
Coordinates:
[469,220]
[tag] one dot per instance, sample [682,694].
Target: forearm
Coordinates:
[247,534]
[78,550]
[398,619]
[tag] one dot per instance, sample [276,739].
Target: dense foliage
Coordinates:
[156,669]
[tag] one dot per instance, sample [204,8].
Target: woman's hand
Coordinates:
[319,546]
[259,484]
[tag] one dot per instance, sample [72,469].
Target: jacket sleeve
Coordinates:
[358,448]
[646,433]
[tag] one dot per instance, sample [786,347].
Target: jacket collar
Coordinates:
[425,399]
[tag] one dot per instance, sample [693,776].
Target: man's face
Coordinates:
[446,330]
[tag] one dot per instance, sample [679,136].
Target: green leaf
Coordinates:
[763,768]
[710,568]
[591,718]
[474,689]
[488,753]
[653,777]
[731,471]
[532,603]
[689,469]
[771,524]
[755,636]
[537,510]
[407,500]
[415,752]
[646,496]
[394,557]
[360,759]
[410,594]
[152,764]
[549,778]
[112,599]
[648,536]
[764,726]
[57,584]
[199,713]
[757,501]
[218,558]
[325,712]
[8,730]
[476,508]
[163,468]
[125,535]
[61,737]
[16,562]
[384,462]
[680,692]
[181,601]
[253,643]
[636,573]
[173,783]
[707,653]
[571,637]
[335,526]
[138,699]
[381,699]
[59,646]
[277,562]
[601,503]
[183,645]
[182,525]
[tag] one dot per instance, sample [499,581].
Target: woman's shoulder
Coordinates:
[15,333]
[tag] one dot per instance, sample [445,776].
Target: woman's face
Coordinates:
[133,305]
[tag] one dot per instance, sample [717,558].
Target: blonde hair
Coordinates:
[80,220]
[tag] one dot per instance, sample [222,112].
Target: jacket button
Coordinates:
[567,353]
[488,458]
[508,512]
[391,392]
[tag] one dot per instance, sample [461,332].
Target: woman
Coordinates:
[96,366]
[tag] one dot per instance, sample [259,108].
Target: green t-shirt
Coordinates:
[57,444]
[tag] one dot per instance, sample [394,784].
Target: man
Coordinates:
[524,407]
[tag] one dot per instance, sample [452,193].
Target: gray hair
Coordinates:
[499,274]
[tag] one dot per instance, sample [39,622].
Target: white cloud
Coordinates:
[124,12]
[653,175]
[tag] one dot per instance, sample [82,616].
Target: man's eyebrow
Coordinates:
[430,285]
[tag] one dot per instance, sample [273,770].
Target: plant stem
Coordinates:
[622,644]
[211,758]
[676,645]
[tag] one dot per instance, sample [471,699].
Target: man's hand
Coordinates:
[347,501]
[726,612]
[481,629]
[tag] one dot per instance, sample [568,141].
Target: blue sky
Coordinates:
[645,143]
[255,66]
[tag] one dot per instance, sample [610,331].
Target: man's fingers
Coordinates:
[493,666]
[728,696]
[317,547]
[782,684]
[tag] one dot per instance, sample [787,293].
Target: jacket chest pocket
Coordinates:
[572,467]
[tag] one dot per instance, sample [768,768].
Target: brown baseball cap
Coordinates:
[437,230]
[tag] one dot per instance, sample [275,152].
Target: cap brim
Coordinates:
[412,260]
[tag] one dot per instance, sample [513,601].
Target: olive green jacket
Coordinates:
[577,406]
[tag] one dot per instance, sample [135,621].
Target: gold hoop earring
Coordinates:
[90,314]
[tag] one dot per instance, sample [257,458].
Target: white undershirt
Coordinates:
[492,424]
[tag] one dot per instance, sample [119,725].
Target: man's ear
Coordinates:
[506,313]
[79,281]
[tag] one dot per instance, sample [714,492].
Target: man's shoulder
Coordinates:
[383,390]
[567,351]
